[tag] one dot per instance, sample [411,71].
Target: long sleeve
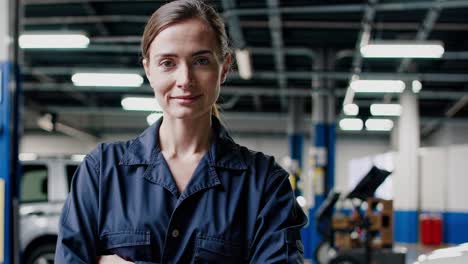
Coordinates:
[77,238]
[277,237]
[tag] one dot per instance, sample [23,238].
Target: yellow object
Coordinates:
[292,180]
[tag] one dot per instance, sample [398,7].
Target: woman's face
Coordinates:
[185,69]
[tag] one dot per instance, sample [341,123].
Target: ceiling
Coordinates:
[298,47]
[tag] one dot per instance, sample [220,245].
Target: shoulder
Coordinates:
[262,164]
[107,151]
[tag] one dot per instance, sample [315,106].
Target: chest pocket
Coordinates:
[129,245]
[215,250]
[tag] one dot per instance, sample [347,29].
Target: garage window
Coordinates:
[34,184]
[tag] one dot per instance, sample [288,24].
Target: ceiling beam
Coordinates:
[269,75]
[351,8]
[103,30]
[345,25]
[380,25]
[396,6]
[235,90]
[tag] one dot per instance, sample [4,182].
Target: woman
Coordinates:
[183,191]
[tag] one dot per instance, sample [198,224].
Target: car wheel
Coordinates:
[43,254]
[344,260]
[323,253]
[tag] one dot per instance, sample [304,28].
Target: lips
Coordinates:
[186,97]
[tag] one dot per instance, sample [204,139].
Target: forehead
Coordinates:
[188,35]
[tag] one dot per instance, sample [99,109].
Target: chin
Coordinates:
[186,113]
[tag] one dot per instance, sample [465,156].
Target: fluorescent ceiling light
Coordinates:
[151,118]
[416,86]
[403,50]
[351,109]
[107,79]
[141,104]
[378,86]
[379,124]
[385,109]
[53,41]
[244,64]
[351,124]
[27,156]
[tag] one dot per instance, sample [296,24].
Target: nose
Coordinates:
[184,77]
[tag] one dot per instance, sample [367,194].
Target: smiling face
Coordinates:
[185,69]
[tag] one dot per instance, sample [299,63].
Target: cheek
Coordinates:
[161,83]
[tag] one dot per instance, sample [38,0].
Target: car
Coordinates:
[451,255]
[45,183]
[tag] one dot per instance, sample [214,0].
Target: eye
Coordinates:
[167,64]
[202,61]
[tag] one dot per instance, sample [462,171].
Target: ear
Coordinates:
[226,67]
[146,67]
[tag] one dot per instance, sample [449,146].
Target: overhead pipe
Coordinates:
[271,75]
[274,22]
[393,26]
[237,90]
[401,6]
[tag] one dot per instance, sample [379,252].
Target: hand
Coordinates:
[112,259]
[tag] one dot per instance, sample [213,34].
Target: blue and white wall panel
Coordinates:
[456,214]
[433,171]
[405,202]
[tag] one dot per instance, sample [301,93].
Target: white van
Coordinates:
[44,186]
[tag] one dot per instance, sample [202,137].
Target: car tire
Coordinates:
[43,254]
[344,259]
[322,252]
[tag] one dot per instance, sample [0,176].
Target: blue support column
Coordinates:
[9,159]
[296,138]
[9,135]
[324,138]
[296,148]
[318,165]
[330,143]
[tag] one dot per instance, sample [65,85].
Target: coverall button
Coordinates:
[175,233]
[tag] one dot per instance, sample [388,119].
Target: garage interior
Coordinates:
[296,97]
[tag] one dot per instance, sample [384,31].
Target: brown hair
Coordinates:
[181,10]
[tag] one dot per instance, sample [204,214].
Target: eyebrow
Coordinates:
[197,53]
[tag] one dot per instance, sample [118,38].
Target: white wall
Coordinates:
[444,178]
[453,133]
[348,148]
[433,173]
[457,178]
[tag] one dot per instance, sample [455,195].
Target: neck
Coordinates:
[184,137]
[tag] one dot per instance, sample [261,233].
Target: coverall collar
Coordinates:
[224,153]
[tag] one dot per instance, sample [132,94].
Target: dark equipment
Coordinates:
[327,252]
[368,185]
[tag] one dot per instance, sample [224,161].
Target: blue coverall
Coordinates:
[237,208]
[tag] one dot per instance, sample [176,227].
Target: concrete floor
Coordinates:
[412,251]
